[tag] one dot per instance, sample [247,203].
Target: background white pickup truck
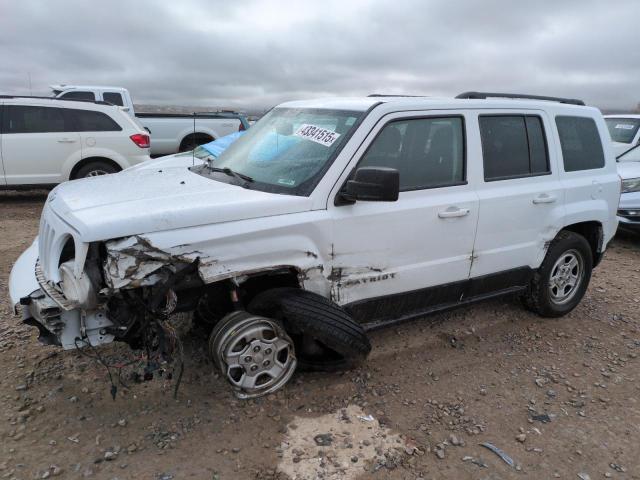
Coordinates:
[170,132]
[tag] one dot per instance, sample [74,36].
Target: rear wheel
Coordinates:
[563,278]
[95,169]
[325,336]
[192,141]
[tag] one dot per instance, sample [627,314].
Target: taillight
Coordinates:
[141,139]
[241,127]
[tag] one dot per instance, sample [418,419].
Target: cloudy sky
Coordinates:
[258,53]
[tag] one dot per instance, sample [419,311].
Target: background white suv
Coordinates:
[46,141]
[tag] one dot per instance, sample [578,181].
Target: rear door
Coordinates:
[100,134]
[36,142]
[521,198]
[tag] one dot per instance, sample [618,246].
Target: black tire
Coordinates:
[325,336]
[539,296]
[94,169]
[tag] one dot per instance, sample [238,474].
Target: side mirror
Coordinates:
[373,184]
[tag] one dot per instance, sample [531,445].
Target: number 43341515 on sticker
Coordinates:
[317,134]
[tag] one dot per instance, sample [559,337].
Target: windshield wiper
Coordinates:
[231,173]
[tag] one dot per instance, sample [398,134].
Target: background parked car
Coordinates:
[47,141]
[170,132]
[197,156]
[629,209]
[625,132]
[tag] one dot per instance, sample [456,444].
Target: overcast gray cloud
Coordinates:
[258,53]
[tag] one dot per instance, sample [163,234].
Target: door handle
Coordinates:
[453,212]
[66,140]
[544,198]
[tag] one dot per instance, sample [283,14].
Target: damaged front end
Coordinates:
[124,290]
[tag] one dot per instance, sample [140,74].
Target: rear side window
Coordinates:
[513,146]
[27,119]
[580,142]
[113,98]
[427,152]
[90,121]
[83,96]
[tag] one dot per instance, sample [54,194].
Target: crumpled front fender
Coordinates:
[22,280]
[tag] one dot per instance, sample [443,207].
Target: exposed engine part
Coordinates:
[254,353]
[79,291]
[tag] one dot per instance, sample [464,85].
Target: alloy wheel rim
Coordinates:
[96,173]
[256,356]
[566,277]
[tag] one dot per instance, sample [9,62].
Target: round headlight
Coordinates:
[79,291]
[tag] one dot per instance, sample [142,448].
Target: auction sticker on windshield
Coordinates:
[317,134]
[625,126]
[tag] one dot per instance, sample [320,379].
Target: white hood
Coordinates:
[146,200]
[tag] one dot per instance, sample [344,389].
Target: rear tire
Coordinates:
[325,336]
[95,169]
[562,280]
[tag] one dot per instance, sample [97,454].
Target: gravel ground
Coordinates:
[559,397]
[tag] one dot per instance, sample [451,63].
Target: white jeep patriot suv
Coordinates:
[327,219]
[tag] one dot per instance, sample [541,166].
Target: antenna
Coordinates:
[193,151]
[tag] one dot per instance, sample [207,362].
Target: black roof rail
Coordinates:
[98,102]
[384,95]
[484,95]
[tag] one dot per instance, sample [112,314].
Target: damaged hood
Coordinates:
[140,201]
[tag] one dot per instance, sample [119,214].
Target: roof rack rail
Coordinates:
[99,102]
[484,95]
[384,95]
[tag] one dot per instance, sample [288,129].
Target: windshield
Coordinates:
[288,150]
[623,130]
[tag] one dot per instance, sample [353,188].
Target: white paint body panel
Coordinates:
[342,251]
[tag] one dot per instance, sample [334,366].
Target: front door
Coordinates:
[387,255]
[36,144]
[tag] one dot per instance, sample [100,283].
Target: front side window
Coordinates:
[82,96]
[286,151]
[580,142]
[513,146]
[427,152]
[28,119]
[91,121]
[623,130]
[113,98]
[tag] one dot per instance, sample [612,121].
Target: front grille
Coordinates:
[51,292]
[630,214]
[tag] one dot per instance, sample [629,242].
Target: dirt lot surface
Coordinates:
[560,397]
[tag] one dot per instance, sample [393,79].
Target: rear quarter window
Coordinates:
[91,121]
[580,143]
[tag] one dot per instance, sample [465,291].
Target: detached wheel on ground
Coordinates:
[95,169]
[562,279]
[325,336]
[254,353]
